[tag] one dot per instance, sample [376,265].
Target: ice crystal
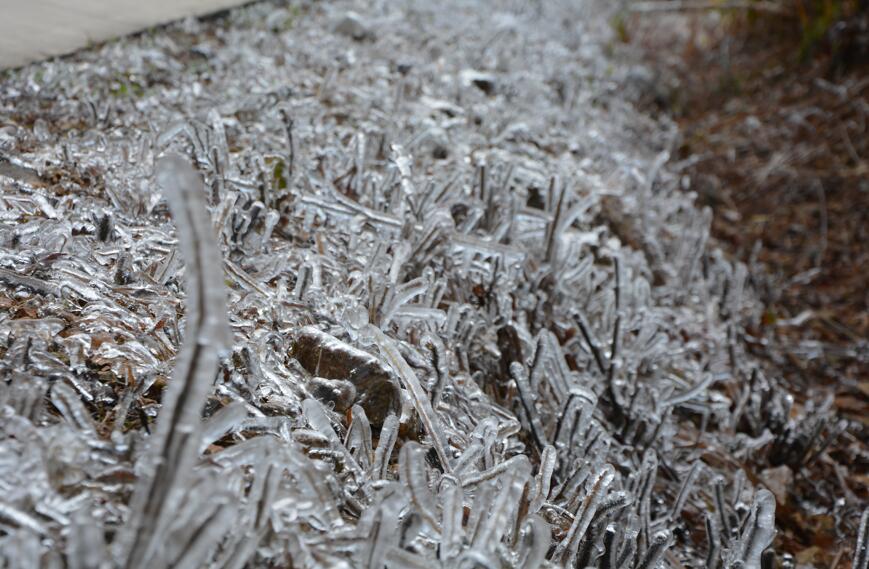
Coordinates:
[428,296]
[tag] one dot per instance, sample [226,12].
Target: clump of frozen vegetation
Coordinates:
[428,296]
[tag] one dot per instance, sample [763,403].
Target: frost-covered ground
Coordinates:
[461,313]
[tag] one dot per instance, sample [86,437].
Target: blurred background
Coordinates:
[771,101]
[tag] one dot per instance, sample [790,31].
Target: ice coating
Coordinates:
[759,532]
[473,319]
[175,446]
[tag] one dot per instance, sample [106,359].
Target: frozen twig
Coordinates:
[688,5]
[861,548]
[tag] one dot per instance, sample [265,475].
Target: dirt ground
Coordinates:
[775,138]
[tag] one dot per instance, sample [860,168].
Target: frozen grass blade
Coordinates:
[175,444]
[411,465]
[759,530]
[420,400]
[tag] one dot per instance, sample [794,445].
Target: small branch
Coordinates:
[682,6]
[861,550]
[822,246]
[591,341]
[289,123]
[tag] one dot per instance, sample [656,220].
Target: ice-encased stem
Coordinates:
[452,510]
[760,529]
[543,480]
[501,516]
[388,435]
[173,448]
[861,550]
[411,462]
[566,550]
[418,396]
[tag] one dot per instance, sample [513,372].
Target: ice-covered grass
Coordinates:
[473,319]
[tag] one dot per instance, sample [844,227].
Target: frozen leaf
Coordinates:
[327,357]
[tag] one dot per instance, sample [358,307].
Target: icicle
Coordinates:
[514,462]
[692,392]
[759,530]
[718,487]
[612,504]
[610,547]
[537,536]
[659,545]
[222,422]
[207,535]
[440,365]
[470,456]
[401,559]
[69,404]
[316,415]
[713,538]
[16,518]
[543,479]
[403,294]
[526,397]
[358,440]
[861,548]
[685,490]
[549,366]
[379,527]
[87,546]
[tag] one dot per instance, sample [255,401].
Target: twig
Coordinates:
[12,278]
[682,6]
[614,348]
[288,127]
[592,343]
[861,550]
[553,227]
[760,530]
[822,246]
[714,542]
[411,464]
[439,363]
[656,551]
[685,490]
[517,373]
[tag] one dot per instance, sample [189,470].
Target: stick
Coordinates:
[682,6]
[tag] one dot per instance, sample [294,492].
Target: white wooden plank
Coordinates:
[31,30]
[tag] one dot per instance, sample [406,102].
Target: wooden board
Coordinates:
[31,30]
